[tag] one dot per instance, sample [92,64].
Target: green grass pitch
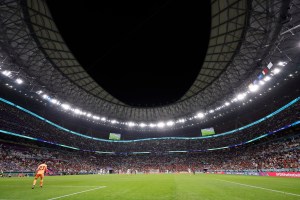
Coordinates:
[155,186]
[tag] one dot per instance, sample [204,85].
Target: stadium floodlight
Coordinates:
[83,113]
[200,115]
[181,120]
[39,92]
[235,99]
[253,87]
[103,119]
[19,81]
[130,124]
[261,82]
[45,96]
[113,121]
[54,101]
[267,78]
[152,125]
[227,103]
[211,111]
[77,111]
[142,125]
[282,63]
[161,124]
[276,70]
[96,117]
[170,123]
[241,96]
[218,108]
[6,73]
[65,106]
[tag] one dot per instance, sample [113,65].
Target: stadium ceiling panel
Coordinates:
[242,34]
[229,20]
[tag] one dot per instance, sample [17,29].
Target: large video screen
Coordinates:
[114,136]
[208,131]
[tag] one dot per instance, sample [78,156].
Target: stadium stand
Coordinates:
[276,152]
[14,120]
[280,153]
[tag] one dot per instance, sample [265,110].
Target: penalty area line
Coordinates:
[67,195]
[262,188]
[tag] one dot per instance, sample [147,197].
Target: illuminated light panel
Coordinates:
[96,117]
[54,101]
[282,63]
[103,119]
[19,81]
[77,111]
[253,87]
[276,70]
[241,96]
[142,125]
[170,123]
[181,120]
[200,115]
[131,124]
[6,73]
[261,82]
[65,106]
[161,124]
[267,78]
[152,125]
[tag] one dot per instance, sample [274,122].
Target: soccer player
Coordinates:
[39,173]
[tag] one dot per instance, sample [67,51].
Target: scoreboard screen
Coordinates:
[207,131]
[114,136]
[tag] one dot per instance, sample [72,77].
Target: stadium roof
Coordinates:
[243,33]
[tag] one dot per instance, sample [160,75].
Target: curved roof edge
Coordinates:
[17,41]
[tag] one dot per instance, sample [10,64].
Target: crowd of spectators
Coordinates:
[271,154]
[277,154]
[17,121]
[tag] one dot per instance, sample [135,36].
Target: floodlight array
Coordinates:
[257,85]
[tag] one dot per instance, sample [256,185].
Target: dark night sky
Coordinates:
[144,53]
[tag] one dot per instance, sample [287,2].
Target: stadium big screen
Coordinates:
[208,131]
[114,136]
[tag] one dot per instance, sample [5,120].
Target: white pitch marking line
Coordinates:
[70,186]
[298,195]
[67,195]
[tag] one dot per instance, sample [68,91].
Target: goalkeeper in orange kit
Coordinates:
[40,173]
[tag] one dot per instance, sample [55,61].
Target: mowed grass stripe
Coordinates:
[155,186]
